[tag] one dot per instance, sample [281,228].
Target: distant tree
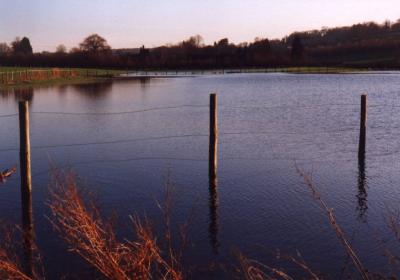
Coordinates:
[61,49]
[223,42]
[297,51]
[262,45]
[194,41]
[94,44]
[143,51]
[4,48]
[387,24]
[22,46]
[74,50]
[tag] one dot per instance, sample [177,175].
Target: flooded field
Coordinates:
[126,138]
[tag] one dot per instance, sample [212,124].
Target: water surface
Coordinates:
[269,124]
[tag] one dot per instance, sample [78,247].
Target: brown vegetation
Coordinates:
[336,227]
[86,233]
[11,268]
[4,175]
[78,221]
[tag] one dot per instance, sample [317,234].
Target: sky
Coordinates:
[132,23]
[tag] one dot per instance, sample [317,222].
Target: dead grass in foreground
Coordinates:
[79,223]
[86,233]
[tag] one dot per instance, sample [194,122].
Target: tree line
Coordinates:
[361,45]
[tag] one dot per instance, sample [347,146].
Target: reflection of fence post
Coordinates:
[28,234]
[363,127]
[213,226]
[213,137]
[25,150]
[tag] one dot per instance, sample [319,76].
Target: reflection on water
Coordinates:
[27,232]
[266,123]
[94,90]
[144,81]
[362,196]
[213,227]
[23,94]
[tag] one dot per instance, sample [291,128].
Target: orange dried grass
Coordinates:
[9,266]
[87,234]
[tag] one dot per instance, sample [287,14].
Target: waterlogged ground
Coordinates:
[269,124]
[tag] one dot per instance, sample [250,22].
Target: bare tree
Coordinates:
[61,49]
[74,50]
[194,41]
[4,48]
[94,44]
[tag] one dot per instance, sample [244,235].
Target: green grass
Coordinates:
[300,70]
[109,73]
[321,70]
[16,69]
[94,75]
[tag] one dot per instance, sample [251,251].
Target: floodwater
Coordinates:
[126,138]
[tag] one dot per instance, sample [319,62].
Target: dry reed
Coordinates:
[335,226]
[86,233]
[10,268]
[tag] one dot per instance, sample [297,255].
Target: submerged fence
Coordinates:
[295,70]
[31,75]
[213,134]
[25,147]
[213,137]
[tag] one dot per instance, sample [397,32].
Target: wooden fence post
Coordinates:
[213,162]
[26,187]
[363,127]
[25,150]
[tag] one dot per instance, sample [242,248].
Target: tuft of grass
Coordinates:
[23,76]
[11,267]
[79,223]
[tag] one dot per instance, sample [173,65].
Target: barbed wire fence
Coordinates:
[31,75]
[11,77]
[309,133]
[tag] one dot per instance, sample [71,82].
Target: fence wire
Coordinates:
[200,135]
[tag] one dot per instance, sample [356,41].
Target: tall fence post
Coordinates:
[363,127]
[25,150]
[26,186]
[213,137]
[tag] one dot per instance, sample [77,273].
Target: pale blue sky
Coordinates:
[131,23]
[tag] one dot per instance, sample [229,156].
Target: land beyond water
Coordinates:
[366,45]
[11,77]
[25,76]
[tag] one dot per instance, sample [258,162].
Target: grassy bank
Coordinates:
[24,76]
[11,77]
